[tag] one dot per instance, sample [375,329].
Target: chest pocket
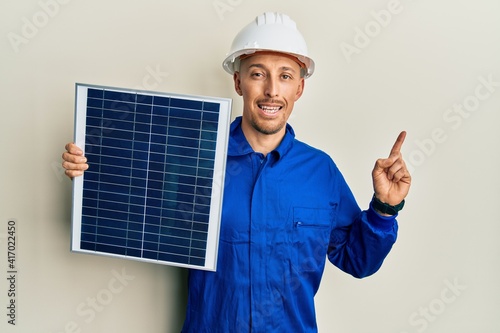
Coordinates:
[311,234]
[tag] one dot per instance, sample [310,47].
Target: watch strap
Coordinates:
[385,208]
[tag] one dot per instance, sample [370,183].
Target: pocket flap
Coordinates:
[312,217]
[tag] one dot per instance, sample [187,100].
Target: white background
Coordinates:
[376,74]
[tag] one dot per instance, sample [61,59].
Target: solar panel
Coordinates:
[153,190]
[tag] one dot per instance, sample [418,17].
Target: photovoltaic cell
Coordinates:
[153,190]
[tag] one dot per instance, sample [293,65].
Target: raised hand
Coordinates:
[391,179]
[73,161]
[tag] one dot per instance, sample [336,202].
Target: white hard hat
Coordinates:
[274,32]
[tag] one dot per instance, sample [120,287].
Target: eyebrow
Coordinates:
[284,68]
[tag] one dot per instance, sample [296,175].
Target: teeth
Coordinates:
[270,109]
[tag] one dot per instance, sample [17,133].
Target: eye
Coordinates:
[257,74]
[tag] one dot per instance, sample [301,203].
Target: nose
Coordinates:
[272,89]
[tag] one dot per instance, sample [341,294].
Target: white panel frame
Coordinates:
[217,182]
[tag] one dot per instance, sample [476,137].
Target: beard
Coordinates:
[266,127]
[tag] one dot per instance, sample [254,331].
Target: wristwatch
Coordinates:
[384,208]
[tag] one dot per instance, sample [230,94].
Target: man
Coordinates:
[286,205]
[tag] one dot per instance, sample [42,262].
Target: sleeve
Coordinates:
[360,240]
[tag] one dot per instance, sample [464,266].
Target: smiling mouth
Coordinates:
[270,109]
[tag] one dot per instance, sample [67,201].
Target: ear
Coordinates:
[237,83]
[300,88]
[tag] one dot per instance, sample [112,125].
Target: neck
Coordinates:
[260,142]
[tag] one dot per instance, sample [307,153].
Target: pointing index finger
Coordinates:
[396,149]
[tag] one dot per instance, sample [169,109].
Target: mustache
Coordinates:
[271,101]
